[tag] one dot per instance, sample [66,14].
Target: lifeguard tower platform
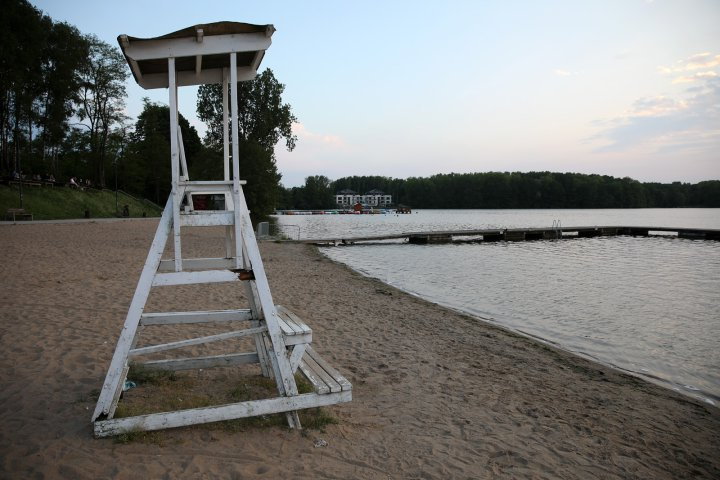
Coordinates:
[217,53]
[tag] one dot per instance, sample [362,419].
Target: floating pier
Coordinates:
[523,234]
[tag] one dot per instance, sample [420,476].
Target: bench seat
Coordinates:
[324,378]
[15,214]
[294,330]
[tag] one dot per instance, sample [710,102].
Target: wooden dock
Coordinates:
[522,234]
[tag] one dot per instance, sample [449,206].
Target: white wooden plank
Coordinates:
[229,240]
[322,373]
[293,336]
[183,418]
[198,264]
[185,78]
[322,363]
[199,218]
[202,362]
[195,341]
[234,137]
[188,47]
[136,69]
[174,161]
[288,328]
[294,332]
[300,326]
[261,349]
[210,316]
[114,374]
[118,391]
[184,175]
[291,340]
[258,59]
[196,185]
[314,378]
[189,278]
[292,327]
[296,355]
[226,136]
[260,344]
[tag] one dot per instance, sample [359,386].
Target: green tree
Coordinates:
[23,35]
[147,168]
[263,121]
[262,117]
[263,192]
[64,54]
[317,193]
[102,99]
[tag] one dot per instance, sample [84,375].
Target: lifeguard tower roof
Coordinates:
[200,52]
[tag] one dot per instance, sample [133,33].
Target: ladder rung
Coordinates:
[203,362]
[171,318]
[189,278]
[195,341]
[207,218]
[198,264]
[208,182]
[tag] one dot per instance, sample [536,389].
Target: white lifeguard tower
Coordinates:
[224,53]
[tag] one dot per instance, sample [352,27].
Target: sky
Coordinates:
[409,88]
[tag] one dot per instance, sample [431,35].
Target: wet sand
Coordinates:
[437,394]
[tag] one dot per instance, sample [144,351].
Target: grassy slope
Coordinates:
[47,203]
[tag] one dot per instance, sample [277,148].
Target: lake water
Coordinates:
[649,306]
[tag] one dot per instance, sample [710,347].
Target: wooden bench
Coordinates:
[324,378]
[15,214]
[294,330]
[298,336]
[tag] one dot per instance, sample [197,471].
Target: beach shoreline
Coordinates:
[701,397]
[437,393]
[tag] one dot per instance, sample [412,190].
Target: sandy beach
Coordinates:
[437,394]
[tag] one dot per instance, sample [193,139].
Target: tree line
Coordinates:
[62,97]
[510,190]
[60,90]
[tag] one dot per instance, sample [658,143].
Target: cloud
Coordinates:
[654,106]
[305,135]
[624,54]
[315,153]
[695,77]
[564,73]
[665,124]
[703,60]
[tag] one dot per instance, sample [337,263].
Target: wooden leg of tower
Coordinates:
[251,294]
[293,420]
[118,391]
[116,373]
[175,162]
[228,241]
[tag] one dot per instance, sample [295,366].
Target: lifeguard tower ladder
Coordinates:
[224,53]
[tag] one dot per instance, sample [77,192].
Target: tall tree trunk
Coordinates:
[4,127]
[103,148]
[29,156]
[16,139]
